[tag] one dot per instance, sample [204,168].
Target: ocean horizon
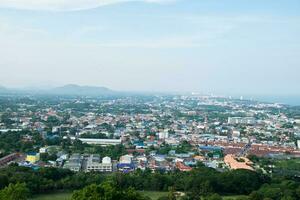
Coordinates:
[288,100]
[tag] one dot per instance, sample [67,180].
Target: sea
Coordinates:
[287,100]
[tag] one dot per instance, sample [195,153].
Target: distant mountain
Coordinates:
[3,89]
[73,89]
[70,89]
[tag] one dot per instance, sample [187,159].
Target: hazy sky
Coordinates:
[220,46]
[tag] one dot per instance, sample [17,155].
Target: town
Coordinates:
[146,132]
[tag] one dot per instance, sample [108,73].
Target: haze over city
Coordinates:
[230,47]
[149,99]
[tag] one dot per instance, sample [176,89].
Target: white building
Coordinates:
[241,120]
[102,142]
[74,163]
[163,135]
[56,129]
[127,159]
[93,164]
[236,133]
[43,149]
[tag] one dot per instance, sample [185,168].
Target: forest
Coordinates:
[200,183]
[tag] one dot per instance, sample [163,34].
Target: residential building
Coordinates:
[32,157]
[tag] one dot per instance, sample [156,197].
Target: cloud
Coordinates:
[66,5]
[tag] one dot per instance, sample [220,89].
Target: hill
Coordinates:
[73,89]
[3,89]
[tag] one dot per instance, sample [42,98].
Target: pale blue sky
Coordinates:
[219,46]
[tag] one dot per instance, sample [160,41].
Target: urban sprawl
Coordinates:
[158,133]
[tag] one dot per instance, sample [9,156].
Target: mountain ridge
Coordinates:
[3,89]
[68,89]
[82,90]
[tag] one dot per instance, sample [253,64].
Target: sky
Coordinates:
[232,47]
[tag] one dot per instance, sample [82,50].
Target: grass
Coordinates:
[67,196]
[231,197]
[292,164]
[154,195]
[55,196]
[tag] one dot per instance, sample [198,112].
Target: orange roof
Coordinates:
[234,164]
[183,167]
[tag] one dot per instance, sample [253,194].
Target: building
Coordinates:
[236,133]
[125,164]
[56,129]
[93,164]
[74,163]
[106,165]
[241,120]
[211,149]
[32,157]
[127,159]
[102,142]
[190,162]
[182,167]
[139,145]
[9,130]
[163,135]
[44,150]
[237,163]
[9,158]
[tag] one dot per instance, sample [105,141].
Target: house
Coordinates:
[74,163]
[182,167]
[33,157]
[190,162]
[125,164]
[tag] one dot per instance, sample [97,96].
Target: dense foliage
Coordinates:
[199,182]
[17,191]
[107,191]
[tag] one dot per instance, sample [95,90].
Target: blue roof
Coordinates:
[139,143]
[31,154]
[210,148]
[122,165]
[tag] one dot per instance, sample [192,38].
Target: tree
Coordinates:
[213,197]
[255,196]
[106,191]
[288,198]
[171,195]
[17,191]
[3,181]
[298,192]
[241,198]
[270,192]
[46,157]
[163,198]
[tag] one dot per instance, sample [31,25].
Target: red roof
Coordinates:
[183,167]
